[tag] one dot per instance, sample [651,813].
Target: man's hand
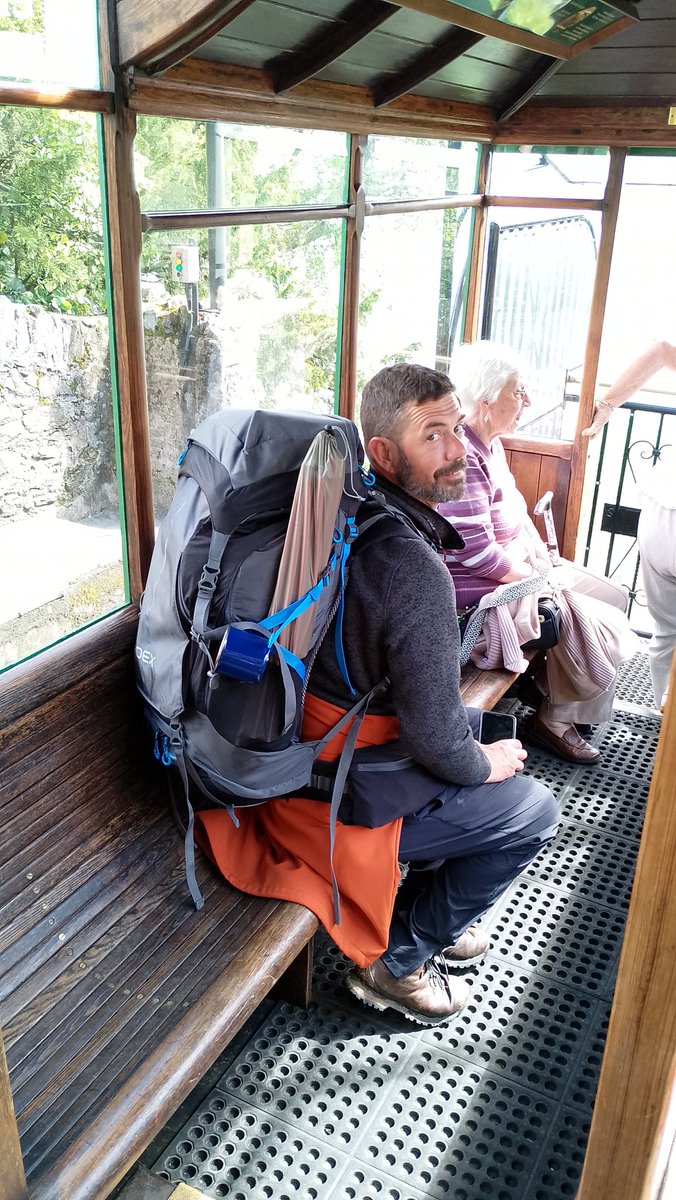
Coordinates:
[506,758]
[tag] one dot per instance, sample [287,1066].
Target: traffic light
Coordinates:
[185,264]
[177,262]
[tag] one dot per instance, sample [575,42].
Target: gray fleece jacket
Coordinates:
[400,622]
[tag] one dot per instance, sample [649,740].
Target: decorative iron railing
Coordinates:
[629,446]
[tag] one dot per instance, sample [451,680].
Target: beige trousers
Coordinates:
[581,671]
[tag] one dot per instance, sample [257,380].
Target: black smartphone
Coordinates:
[496,726]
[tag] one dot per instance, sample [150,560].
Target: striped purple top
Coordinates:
[491,514]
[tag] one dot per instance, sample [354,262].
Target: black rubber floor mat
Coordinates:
[633,681]
[589,864]
[607,801]
[520,1026]
[458,1132]
[566,939]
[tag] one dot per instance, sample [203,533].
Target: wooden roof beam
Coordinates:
[529,85]
[444,51]
[155,35]
[210,91]
[354,23]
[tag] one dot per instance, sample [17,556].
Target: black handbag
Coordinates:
[549,616]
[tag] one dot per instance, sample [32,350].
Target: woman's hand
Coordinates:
[660,354]
[506,758]
[601,414]
[517,571]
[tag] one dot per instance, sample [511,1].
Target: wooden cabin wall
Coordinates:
[626,1153]
[540,466]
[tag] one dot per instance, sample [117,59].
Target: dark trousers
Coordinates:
[467,844]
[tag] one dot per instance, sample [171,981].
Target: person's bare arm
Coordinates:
[660,354]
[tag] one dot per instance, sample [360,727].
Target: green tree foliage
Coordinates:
[296,258]
[171,173]
[51,248]
[21,18]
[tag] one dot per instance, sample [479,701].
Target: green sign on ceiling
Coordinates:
[566,22]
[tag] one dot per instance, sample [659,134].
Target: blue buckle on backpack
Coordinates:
[244,654]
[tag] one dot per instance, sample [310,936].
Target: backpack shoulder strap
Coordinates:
[382,520]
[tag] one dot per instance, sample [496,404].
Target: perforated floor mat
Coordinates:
[346,1103]
[589,864]
[633,681]
[606,801]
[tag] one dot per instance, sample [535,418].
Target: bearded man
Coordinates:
[479,823]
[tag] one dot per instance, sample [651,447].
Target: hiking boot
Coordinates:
[469,949]
[426,995]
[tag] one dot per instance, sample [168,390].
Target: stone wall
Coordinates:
[56,437]
[56,428]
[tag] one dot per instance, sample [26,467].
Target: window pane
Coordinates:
[269,341]
[402,168]
[184,165]
[537,293]
[640,309]
[59,518]
[49,41]
[412,289]
[642,288]
[549,171]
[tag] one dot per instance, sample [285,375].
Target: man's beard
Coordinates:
[435,491]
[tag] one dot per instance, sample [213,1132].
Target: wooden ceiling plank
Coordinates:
[451,46]
[154,35]
[354,23]
[529,85]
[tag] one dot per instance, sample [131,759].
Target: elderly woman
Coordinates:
[502,545]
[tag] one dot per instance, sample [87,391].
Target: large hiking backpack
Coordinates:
[230,720]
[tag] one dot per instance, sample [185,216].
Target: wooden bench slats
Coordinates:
[140,1032]
[103,947]
[483,689]
[31,740]
[79,1058]
[93,1159]
[76,821]
[92,753]
[111,985]
[110,974]
[75,927]
[69,885]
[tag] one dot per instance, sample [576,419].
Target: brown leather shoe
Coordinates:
[426,995]
[469,948]
[569,745]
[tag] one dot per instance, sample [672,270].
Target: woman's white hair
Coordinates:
[479,371]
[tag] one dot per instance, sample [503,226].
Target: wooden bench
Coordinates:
[483,689]
[115,994]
